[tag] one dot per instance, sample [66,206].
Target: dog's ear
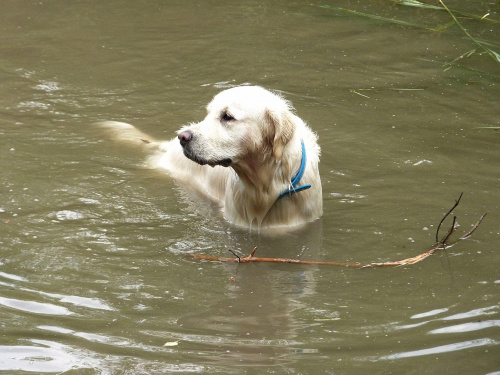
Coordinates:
[283,124]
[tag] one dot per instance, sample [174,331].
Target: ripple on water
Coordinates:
[468,327]
[453,329]
[69,215]
[44,357]
[34,307]
[443,348]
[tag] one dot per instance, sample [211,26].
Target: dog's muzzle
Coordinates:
[185,137]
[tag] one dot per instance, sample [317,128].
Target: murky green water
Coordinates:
[94,272]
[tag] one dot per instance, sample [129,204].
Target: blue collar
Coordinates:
[292,189]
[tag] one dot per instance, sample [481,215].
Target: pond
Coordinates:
[95,271]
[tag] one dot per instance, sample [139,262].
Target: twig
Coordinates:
[440,245]
[469,233]
[236,255]
[450,232]
[457,202]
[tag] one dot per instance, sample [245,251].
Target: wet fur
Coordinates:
[245,163]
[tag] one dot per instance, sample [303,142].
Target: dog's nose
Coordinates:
[185,137]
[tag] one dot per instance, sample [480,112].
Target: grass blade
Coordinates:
[383,19]
[490,52]
[416,4]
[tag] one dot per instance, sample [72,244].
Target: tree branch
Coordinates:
[440,245]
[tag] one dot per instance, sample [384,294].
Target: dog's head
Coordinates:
[242,123]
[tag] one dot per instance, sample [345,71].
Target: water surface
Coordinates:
[94,268]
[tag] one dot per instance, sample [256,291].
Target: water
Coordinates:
[94,264]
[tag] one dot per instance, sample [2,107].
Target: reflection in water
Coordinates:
[490,310]
[91,303]
[429,313]
[44,356]
[51,357]
[45,308]
[451,331]
[467,327]
[34,307]
[256,323]
[12,277]
[443,349]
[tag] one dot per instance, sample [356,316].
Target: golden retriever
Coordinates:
[251,154]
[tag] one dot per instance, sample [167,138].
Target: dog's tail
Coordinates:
[128,134]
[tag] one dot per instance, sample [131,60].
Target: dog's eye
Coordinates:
[226,117]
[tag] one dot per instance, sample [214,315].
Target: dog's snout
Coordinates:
[185,137]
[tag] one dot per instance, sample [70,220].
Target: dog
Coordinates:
[251,155]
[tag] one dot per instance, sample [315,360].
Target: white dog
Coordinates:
[250,154]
